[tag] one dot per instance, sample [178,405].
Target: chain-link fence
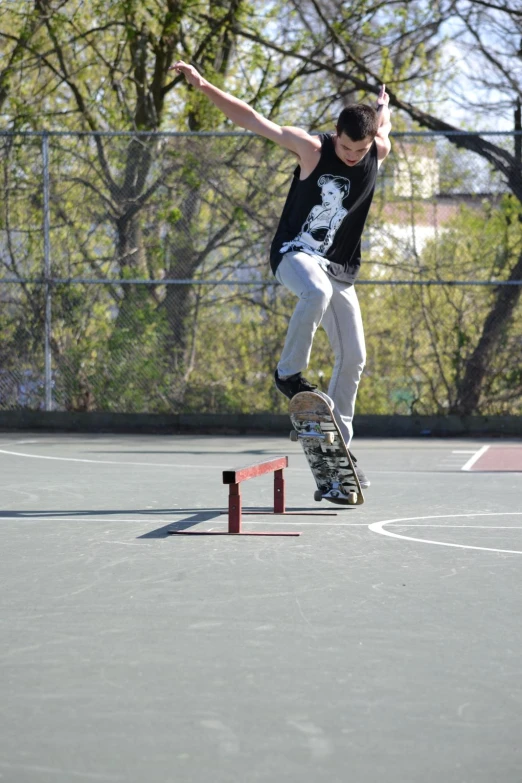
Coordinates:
[134,274]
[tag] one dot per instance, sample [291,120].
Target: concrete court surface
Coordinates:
[383,644]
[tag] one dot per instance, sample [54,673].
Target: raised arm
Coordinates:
[383,134]
[240,113]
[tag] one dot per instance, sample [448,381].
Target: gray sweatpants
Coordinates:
[334,305]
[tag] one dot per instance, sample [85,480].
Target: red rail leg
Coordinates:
[279,492]
[234,510]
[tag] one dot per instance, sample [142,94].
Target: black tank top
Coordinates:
[325,213]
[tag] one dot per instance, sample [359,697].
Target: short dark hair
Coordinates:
[358,121]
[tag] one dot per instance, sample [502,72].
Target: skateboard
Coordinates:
[317,432]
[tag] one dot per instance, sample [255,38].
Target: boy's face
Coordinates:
[349,151]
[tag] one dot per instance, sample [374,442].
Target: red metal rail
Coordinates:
[234,478]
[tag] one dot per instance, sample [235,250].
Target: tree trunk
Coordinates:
[131,255]
[183,260]
[495,325]
[177,307]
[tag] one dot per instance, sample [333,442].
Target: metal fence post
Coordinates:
[518,132]
[47,273]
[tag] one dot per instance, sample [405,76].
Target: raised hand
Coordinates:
[189,72]
[383,98]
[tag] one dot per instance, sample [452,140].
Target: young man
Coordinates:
[316,252]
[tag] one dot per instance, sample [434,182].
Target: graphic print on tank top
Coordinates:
[325,213]
[319,229]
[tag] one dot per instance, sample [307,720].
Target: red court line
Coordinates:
[499,459]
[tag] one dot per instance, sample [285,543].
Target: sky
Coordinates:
[487,108]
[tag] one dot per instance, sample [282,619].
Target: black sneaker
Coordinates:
[293,385]
[363,481]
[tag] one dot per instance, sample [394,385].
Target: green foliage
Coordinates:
[123,347]
[431,332]
[147,208]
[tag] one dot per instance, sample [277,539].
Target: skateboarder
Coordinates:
[316,252]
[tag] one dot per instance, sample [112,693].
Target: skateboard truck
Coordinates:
[324,437]
[336,494]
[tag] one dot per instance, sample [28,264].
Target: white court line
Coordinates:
[470,527]
[112,518]
[108,462]
[184,465]
[122,462]
[378,527]
[178,466]
[374,527]
[165,464]
[478,454]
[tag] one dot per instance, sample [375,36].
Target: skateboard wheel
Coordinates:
[352,498]
[294,437]
[318,495]
[329,438]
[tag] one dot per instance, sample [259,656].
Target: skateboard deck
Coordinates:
[317,432]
